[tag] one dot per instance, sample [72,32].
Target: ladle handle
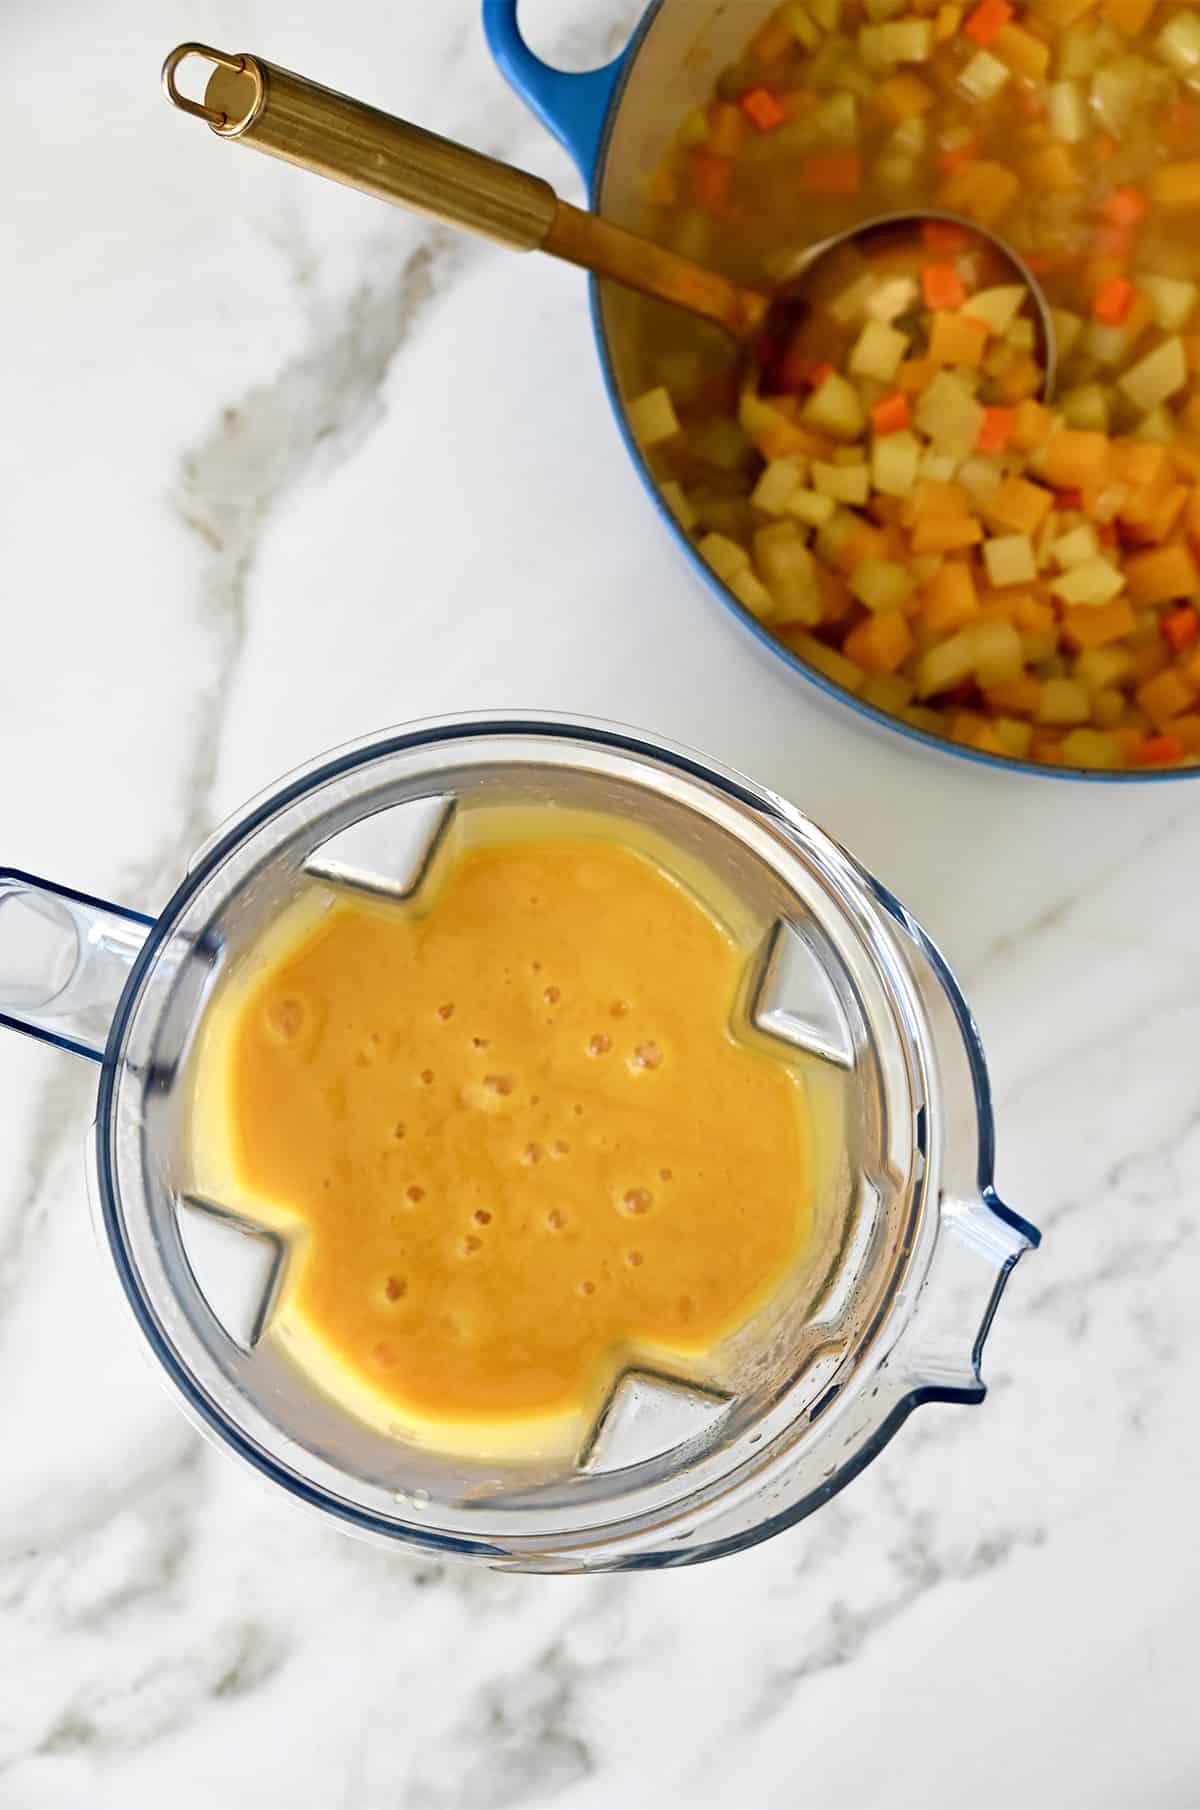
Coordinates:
[258,104]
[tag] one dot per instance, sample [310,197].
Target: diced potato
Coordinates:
[1067,328]
[842,483]
[881,584]
[1086,405]
[1092,581]
[803,27]
[834,536]
[1158,426]
[891,298]
[725,556]
[894,462]
[1109,346]
[1159,375]
[877,351]
[1009,559]
[1080,544]
[779,479]
[997,307]
[1063,701]
[982,78]
[1091,748]
[946,665]
[753,595]
[998,654]
[1101,667]
[810,507]
[1178,43]
[836,409]
[652,417]
[1172,299]
[948,414]
[828,661]
[787,568]
[852,302]
[907,40]
[1067,112]
[1119,89]
[679,503]
[888,691]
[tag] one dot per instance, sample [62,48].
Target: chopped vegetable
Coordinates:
[762,109]
[653,418]
[989,17]
[891,413]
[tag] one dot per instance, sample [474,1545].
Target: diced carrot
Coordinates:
[1112,301]
[949,600]
[1158,750]
[1017,505]
[957,339]
[1180,628]
[1176,185]
[763,109]
[943,237]
[1076,456]
[710,180]
[1031,103]
[996,431]
[1124,207]
[942,286]
[1104,147]
[820,372]
[903,96]
[836,173]
[891,413]
[881,643]
[1095,625]
[945,533]
[981,189]
[1163,575]
[1166,695]
[1024,54]
[988,18]
[1128,16]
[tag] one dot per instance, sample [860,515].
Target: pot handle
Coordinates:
[574,107]
[64,961]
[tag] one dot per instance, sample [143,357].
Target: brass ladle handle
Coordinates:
[256,103]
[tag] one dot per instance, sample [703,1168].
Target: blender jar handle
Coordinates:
[64,961]
[574,107]
[979,1242]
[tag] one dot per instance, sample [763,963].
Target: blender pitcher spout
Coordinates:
[64,960]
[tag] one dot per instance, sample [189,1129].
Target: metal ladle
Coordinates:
[255,103]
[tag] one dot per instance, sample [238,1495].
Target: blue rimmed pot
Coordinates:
[615,122]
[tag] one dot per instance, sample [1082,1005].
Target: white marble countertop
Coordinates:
[282,466]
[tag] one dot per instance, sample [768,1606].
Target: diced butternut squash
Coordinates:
[1074,458]
[957,339]
[950,599]
[1162,575]
[1095,626]
[1165,696]
[882,643]
[1017,505]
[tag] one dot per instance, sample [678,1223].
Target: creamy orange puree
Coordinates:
[517,1132]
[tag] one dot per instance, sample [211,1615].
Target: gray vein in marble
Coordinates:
[59,1117]
[847,1631]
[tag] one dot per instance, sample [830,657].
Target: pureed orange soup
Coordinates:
[513,1135]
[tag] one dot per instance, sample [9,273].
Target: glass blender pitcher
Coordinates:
[890,1301]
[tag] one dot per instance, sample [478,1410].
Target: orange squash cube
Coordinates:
[1166,695]
[1018,505]
[945,533]
[881,643]
[1090,625]
[950,599]
[1162,575]
[1075,457]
